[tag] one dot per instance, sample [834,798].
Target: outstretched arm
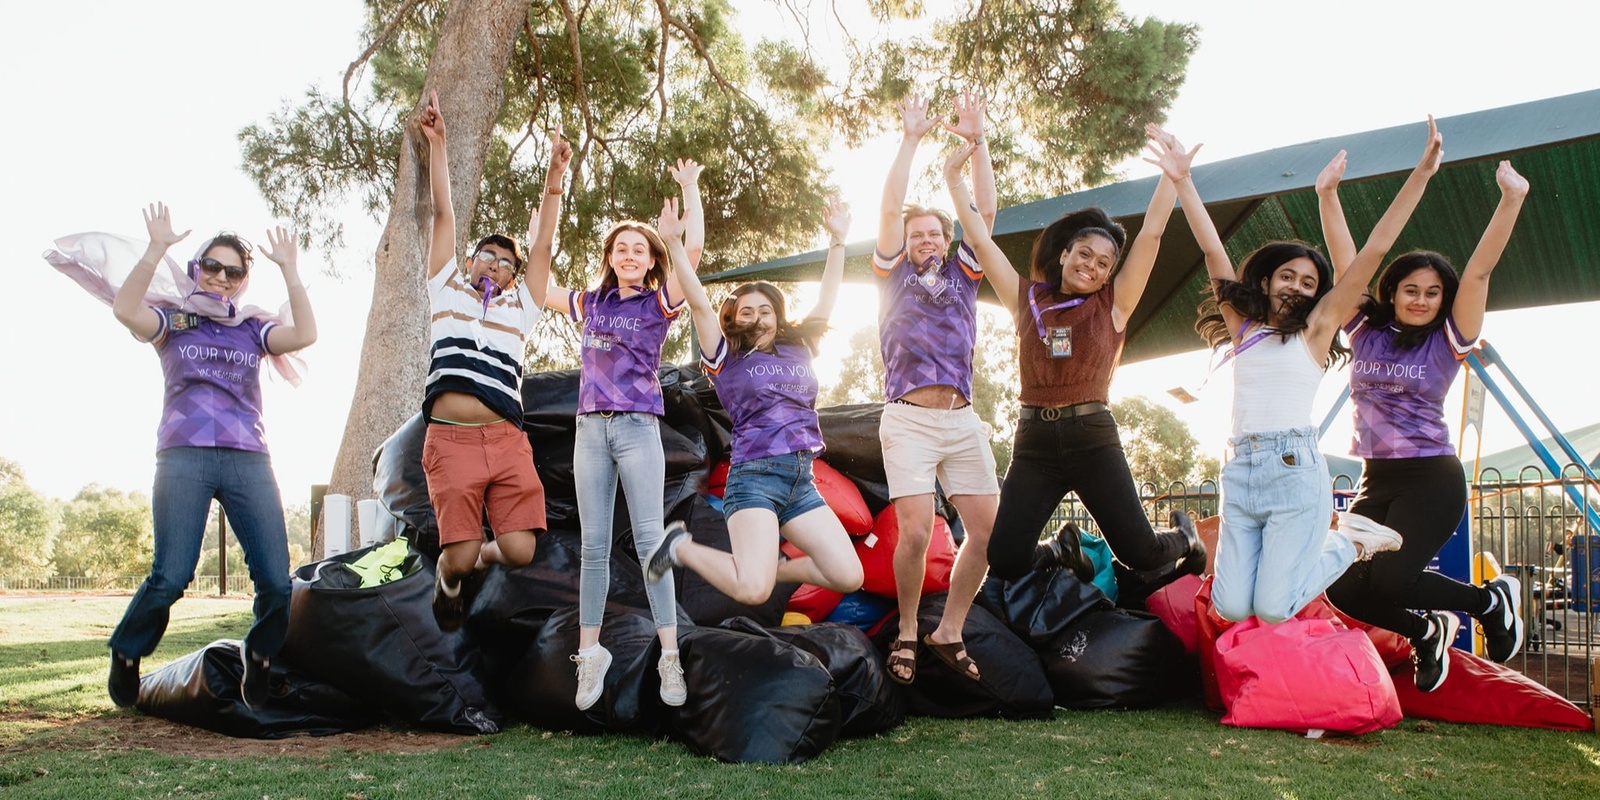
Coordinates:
[687,173]
[1335,307]
[542,223]
[969,126]
[1472,297]
[442,247]
[837,221]
[1175,165]
[996,267]
[1335,230]
[682,277]
[891,227]
[128,306]
[1141,258]
[281,339]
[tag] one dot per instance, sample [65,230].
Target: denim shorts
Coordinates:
[783,485]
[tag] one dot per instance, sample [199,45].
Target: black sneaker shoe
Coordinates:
[1194,559]
[1431,654]
[448,611]
[123,681]
[254,685]
[1502,627]
[665,556]
[1064,550]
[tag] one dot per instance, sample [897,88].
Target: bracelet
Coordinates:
[832,245]
[552,190]
[978,140]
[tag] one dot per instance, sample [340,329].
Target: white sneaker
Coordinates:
[591,675]
[1370,537]
[674,692]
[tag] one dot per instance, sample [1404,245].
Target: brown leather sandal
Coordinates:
[908,663]
[954,655]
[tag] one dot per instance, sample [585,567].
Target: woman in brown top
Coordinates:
[1071,318]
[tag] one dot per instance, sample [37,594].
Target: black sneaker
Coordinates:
[1194,559]
[448,611]
[1065,550]
[664,557]
[254,685]
[1502,627]
[123,681]
[1431,654]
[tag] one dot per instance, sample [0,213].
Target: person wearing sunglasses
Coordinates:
[475,454]
[210,442]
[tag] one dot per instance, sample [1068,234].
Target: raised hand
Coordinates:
[669,224]
[969,116]
[837,219]
[1169,154]
[1433,152]
[560,153]
[914,116]
[158,221]
[686,172]
[1328,179]
[956,159]
[280,249]
[432,121]
[1512,184]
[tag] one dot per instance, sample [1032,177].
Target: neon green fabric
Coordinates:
[382,565]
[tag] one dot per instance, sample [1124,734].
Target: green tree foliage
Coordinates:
[1160,448]
[105,533]
[29,523]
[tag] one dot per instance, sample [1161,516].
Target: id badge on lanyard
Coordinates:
[1057,340]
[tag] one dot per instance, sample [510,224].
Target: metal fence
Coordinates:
[202,584]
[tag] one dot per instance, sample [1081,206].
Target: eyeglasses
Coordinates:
[487,257]
[212,266]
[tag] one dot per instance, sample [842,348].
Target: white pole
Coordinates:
[367,521]
[335,524]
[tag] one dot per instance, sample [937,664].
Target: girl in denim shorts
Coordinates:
[761,367]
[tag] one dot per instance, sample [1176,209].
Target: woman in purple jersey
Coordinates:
[1408,341]
[210,443]
[624,323]
[761,367]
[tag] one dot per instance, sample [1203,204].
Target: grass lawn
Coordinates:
[60,737]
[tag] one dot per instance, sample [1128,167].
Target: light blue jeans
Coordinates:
[625,445]
[1275,552]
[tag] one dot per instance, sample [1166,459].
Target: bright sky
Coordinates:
[123,104]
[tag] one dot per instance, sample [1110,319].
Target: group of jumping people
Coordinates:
[1278,319]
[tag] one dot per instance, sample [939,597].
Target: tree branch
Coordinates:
[667,19]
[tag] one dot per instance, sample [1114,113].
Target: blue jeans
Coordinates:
[625,445]
[1275,552]
[782,484]
[187,478]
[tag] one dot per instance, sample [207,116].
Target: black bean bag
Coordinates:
[1114,659]
[542,687]
[753,698]
[202,689]
[1040,605]
[1013,684]
[1134,587]
[402,489]
[381,644]
[868,701]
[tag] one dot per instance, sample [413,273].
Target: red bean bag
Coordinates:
[1209,625]
[876,550]
[1393,648]
[843,498]
[1483,692]
[1304,674]
[814,602]
[717,480]
[1173,604]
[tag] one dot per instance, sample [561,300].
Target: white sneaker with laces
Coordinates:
[1369,536]
[674,692]
[592,667]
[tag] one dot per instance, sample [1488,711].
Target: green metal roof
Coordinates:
[1553,257]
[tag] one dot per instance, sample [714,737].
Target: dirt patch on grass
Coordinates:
[131,731]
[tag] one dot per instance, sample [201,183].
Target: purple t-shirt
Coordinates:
[1399,394]
[621,347]
[771,399]
[927,324]
[213,377]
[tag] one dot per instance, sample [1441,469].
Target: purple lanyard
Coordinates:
[1244,345]
[1038,313]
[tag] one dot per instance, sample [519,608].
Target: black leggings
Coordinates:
[1423,500]
[1074,454]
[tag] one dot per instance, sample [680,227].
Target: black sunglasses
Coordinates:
[212,266]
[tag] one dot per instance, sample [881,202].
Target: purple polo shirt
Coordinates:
[771,398]
[1399,394]
[621,349]
[213,381]
[927,324]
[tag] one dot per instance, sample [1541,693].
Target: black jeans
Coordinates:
[1074,454]
[1423,500]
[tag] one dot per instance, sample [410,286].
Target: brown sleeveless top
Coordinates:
[1086,344]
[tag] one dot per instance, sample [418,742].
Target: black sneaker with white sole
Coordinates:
[664,557]
[123,681]
[1502,627]
[254,683]
[1431,654]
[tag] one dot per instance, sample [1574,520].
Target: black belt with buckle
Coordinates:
[1053,413]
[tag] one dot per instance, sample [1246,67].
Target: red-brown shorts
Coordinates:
[471,466]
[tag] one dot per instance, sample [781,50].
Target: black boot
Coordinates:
[1194,559]
[1064,550]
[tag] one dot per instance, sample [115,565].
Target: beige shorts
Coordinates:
[921,443]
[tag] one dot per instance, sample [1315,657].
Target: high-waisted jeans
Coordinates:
[625,445]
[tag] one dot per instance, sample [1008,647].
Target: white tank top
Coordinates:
[1274,384]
